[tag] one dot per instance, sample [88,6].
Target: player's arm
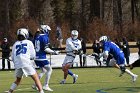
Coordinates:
[48,50]
[32,51]
[71,45]
[104,55]
[12,53]
[76,50]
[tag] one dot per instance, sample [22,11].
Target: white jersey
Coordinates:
[71,45]
[22,52]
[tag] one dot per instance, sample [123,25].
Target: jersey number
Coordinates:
[115,44]
[37,45]
[21,49]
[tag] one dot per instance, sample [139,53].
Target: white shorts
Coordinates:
[68,60]
[27,71]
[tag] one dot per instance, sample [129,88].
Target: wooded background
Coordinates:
[92,18]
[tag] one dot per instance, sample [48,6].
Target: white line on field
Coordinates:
[22,89]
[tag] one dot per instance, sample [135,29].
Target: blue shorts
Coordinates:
[120,59]
[42,63]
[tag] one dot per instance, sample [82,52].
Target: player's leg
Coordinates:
[96,59]
[41,64]
[127,59]
[73,75]
[37,82]
[30,71]
[134,76]
[68,62]
[18,74]
[113,63]
[47,79]
[3,63]
[9,65]
[42,73]
[84,59]
[123,70]
[14,85]
[121,63]
[80,57]
[135,64]
[65,70]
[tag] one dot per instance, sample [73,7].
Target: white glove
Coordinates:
[124,46]
[56,52]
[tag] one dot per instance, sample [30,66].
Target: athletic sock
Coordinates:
[41,75]
[13,86]
[70,73]
[64,80]
[129,72]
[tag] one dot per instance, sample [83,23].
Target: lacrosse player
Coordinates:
[73,47]
[22,53]
[41,43]
[119,59]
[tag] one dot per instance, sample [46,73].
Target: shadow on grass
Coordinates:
[115,89]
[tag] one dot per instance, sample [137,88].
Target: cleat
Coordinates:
[47,88]
[134,78]
[7,92]
[75,78]
[41,91]
[62,82]
[34,87]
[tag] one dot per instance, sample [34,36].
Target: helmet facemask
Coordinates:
[45,29]
[74,34]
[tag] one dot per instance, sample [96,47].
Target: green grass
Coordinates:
[91,80]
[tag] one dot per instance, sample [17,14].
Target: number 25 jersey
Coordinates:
[22,52]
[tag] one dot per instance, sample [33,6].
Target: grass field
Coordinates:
[91,80]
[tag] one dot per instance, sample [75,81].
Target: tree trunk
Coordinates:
[132,10]
[6,19]
[94,9]
[102,9]
[120,14]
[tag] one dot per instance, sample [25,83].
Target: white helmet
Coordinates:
[103,39]
[74,34]
[45,28]
[23,32]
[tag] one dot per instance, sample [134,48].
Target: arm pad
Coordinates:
[49,50]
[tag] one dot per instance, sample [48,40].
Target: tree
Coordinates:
[94,9]
[58,11]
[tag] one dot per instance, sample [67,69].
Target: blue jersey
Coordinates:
[114,49]
[40,42]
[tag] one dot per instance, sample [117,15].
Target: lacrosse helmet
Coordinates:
[74,34]
[45,29]
[103,39]
[23,32]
